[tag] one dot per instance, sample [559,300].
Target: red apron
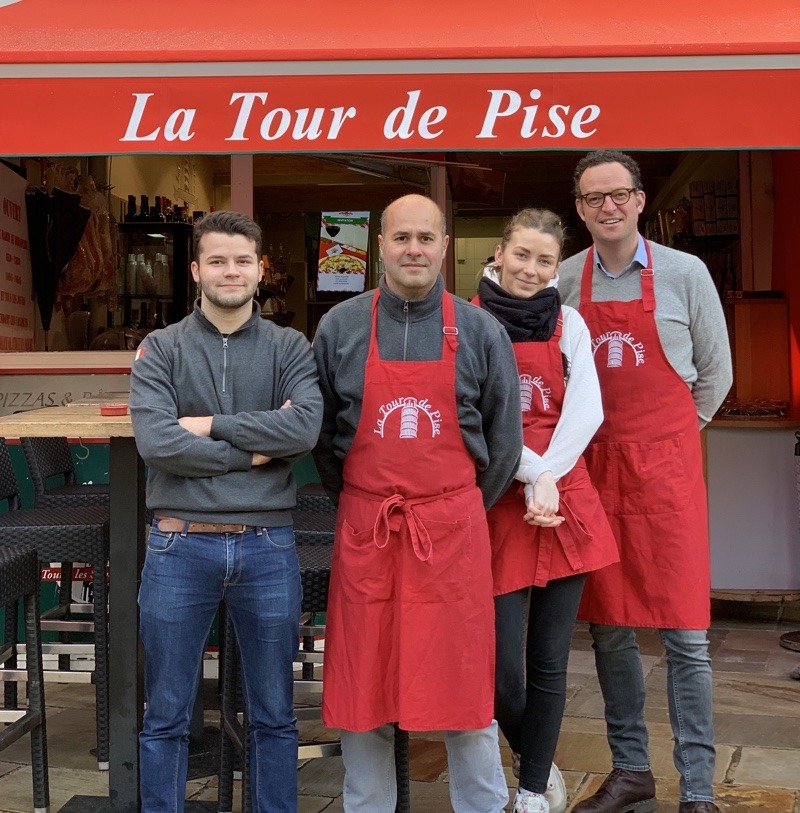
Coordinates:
[646,462]
[525,555]
[410,623]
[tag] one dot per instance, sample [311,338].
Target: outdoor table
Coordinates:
[126,558]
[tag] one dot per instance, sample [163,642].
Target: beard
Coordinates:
[228,300]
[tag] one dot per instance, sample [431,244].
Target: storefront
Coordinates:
[442,98]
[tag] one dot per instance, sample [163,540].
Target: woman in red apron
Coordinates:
[549,530]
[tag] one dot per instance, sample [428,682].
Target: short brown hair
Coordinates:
[598,157]
[223,222]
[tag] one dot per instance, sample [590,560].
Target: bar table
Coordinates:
[127,531]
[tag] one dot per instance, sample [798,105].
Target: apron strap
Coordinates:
[586,278]
[449,329]
[646,274]
[648,294]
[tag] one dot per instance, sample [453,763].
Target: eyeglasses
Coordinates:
[597,199]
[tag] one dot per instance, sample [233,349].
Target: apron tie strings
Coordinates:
[420,538]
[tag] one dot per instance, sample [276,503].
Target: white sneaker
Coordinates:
[526,802]
[556,793]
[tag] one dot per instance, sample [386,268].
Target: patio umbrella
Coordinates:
[55,226]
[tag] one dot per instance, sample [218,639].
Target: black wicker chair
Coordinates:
[49,458]
[55,485]
[19,582]
[66,535]
[312,499]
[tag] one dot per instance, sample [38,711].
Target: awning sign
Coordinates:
[343,242]
[548,111]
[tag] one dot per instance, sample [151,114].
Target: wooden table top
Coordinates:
[78,421]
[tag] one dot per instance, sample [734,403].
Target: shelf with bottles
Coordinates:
[154,269]
[148,313]
[162,211]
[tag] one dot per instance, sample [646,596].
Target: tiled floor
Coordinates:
[757,718]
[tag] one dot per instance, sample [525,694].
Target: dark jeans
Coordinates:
[529,712]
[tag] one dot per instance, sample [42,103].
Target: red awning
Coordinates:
[97,77]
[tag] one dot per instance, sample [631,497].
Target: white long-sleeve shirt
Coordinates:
[581,412]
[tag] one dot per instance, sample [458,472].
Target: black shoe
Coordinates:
[698,807]
[623,792]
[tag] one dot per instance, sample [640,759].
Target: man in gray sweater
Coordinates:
[221,404]
[421,433]
[662,356]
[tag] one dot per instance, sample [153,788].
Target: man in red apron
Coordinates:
[421,433]
[661,350]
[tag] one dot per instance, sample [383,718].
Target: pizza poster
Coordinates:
[343,242]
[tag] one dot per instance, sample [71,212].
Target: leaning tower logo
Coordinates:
[617,341]
[527,383]
[412,411]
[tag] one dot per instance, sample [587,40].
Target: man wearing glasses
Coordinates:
[661,350]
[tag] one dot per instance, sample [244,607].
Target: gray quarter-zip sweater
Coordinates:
[241,379]
[487,382]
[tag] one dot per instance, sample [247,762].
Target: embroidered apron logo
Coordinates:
[526,385]
[410,411]
[616,341]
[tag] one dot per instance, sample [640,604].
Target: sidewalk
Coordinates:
[757,719]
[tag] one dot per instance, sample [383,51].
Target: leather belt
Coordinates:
[170,525]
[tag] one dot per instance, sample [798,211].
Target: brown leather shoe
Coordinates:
[698,807]
[623,792]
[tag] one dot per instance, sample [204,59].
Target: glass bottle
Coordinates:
[130,215]
[141,275]
[130,273]
[144,209]
[279,271]
[149,279]
[161,275]
[159,321]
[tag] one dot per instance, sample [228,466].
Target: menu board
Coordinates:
[343,242]
[16,301]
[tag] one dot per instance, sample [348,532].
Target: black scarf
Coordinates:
[525,320]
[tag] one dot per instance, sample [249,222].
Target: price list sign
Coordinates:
[343,242]
[16,301]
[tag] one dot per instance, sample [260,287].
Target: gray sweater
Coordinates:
[191,369]
[689,317]
[486,379]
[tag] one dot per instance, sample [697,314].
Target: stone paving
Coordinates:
[757,720]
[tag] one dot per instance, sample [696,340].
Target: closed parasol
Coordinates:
[56,223]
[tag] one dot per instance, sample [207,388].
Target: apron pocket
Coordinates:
[446,574]
[640,478]
[365,570]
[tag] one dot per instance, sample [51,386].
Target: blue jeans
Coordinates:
[185,577]
[477,781]
[619,669]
